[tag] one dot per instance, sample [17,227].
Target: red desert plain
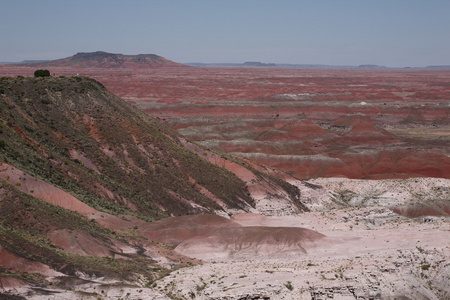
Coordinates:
[310,122]
[368,148]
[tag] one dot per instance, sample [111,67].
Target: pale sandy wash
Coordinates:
[369,253]
[390,258]
[342,192]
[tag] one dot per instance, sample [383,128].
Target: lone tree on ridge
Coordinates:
[42,73]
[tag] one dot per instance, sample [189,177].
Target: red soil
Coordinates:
[10,260]
[245,242]
[175,230]
[199,236]
[43,190]
[11,283]
[434,208]
[310,122]
[84,244]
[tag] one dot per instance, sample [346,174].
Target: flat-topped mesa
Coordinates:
[101,59]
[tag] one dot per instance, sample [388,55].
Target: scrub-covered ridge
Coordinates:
[83,174]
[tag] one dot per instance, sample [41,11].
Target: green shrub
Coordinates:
[289,285]
[42,73]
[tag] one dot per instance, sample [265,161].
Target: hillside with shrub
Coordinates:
[83,175]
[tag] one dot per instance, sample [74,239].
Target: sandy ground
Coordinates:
[338,192]
[369,253]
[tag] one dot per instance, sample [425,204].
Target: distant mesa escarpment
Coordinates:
[22,62]
[370,66]
[258,64]
[101,59]
[245,64]
[439,67]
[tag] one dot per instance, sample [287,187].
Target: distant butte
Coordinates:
[101,59]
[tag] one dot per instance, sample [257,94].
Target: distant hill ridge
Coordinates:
[101,59]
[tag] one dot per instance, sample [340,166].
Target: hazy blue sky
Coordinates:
[338,32]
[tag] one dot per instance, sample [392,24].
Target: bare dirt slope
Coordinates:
[82,176]
[340,251]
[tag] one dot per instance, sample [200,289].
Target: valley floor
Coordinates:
[369,253]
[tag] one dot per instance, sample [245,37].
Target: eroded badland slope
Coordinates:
[81,230]
[82,175]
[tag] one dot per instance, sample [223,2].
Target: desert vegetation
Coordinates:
[72,133]
[42,73]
